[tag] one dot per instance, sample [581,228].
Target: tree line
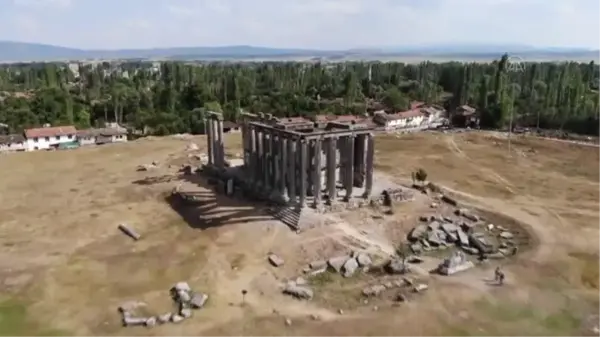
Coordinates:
[170,97]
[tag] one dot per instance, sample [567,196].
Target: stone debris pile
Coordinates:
[436,232]
[185,298]
[403,287]
[347,265]
[396,267]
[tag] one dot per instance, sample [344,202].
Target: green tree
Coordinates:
[421,175]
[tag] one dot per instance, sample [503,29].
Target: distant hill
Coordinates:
[33,52]
[20,52]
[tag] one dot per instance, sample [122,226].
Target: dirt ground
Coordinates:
[65,268]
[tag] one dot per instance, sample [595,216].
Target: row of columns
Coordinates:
[294,168]
[215,144]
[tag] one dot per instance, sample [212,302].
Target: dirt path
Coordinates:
[574,142]
[382,247]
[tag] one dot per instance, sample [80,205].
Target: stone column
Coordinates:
[331,168]
[317,173]
[369,165]
[265,160]
[349,169]
[209,139]
[251,153]
[245,144]
[303,176]
[291,143]
[283,165]
[222,144]
[258,158]
[359,160]
[310,162]
[273,159]
[220,152]
[215,142]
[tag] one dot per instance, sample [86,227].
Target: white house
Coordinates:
[400,120]
[49,137]
[10,143]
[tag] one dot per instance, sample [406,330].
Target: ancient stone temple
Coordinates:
[300,162]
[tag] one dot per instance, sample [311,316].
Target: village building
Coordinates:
[230,127]
[11,143]
[47,138]
[420,115]
[400,120]
[466,116]
[101,136]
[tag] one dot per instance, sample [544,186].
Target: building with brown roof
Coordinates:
[101,136]
[49,137]
[14,142]
[466,116]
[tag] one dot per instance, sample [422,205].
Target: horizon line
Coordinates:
[383,48]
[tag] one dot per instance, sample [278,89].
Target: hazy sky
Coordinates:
[326,24]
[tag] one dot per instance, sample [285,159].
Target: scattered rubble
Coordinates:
[396,267]
[350,267]
[457,262]
[275,260]
[300,292]
[396,194]
[181,293]
[148,167]
[467,214]
[449,200]
[420,288]
[336,263]
[316,267]
[374,290]
[363,260]
[129,232]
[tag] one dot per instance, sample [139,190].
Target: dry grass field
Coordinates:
[65,268]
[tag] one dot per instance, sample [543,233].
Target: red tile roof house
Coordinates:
[49,137]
